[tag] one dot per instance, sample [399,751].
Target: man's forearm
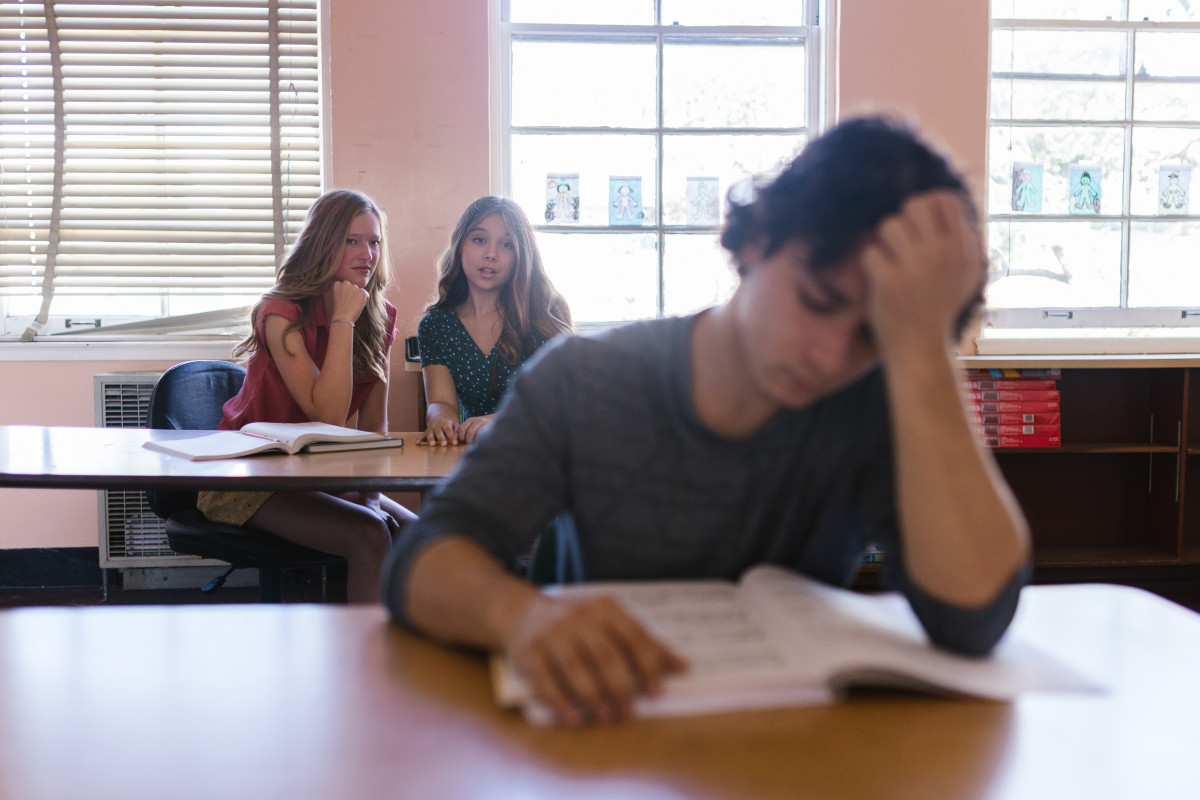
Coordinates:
[456,591]
[964,534]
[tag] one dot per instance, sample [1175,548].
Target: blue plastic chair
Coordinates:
[189,396]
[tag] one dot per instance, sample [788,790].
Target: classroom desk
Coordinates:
[315,701]
[113,458]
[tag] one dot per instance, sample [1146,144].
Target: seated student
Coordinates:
[815,412]
[495,306]
[318,351]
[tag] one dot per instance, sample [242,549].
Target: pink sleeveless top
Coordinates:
[264,396]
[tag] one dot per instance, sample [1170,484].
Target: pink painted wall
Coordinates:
[408,123]
[53,393]
[408,117]
[926,59]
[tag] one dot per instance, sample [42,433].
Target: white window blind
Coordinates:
[155,159]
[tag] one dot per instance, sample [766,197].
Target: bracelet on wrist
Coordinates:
[347,321]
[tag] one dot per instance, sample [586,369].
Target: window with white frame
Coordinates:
[1093,149]
[155,158]
[625,123]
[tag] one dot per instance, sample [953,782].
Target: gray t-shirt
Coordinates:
[603,427]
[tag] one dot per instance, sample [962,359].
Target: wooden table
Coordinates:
[306,701]
[113,458]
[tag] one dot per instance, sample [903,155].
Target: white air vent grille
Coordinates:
[124,404]
[131,535]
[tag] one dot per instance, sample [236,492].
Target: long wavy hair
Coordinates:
[308,272]
[529,303]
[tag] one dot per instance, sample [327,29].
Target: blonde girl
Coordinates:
[318,351]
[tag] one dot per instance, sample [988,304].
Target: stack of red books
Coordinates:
[1015,407]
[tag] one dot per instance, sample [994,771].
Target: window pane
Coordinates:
[727,158]
[575,84]
[610,12]
[82,304]
[85,304]
[1067,264]
[697,273]
[1167,55]
[1098,101]
[1059,52]
[1057,9]
[593,159]
[605,277]
[1166,102]
[592,115]
[1154,148]
[733,85]
[1058,149]
[723,12]
[1164,264]
[1164,10]
[194,303]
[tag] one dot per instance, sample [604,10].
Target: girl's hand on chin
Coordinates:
[348,301]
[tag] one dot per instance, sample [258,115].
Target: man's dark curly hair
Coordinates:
[837,191]
[840,187]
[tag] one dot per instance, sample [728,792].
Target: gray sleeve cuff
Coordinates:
[968,631]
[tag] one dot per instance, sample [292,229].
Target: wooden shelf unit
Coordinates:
[1116,497]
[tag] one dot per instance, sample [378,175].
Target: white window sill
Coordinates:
[135,350]
[1095,341]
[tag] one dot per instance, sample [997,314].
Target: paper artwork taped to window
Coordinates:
[1027,186]
[625,201]
[562,198]
[1085,189]
[1174,188]
[703,201]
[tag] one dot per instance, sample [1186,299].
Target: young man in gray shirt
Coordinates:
[814,413]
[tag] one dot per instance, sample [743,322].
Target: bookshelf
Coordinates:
[1115,500]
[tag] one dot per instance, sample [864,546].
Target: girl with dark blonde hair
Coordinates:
[318,351]
[494,307]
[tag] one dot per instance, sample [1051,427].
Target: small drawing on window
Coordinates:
[625,201]
[703,201]
[1085,189]
[1027,186]
[562,198]
[1174,188]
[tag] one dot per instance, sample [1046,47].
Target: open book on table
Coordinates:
[273,437]
[777,639]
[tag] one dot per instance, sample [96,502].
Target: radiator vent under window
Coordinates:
[131,535]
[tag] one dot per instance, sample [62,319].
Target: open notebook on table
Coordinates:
[273,437]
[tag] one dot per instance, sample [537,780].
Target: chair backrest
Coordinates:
[189,396]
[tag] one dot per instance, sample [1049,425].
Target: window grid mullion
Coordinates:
[660,147]
[1127,172]
[510,33]
[1085,317]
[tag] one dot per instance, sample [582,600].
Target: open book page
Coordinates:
[734,661]
[842,637]
[270,437]
[212,445]
[298,434]
[781,639]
